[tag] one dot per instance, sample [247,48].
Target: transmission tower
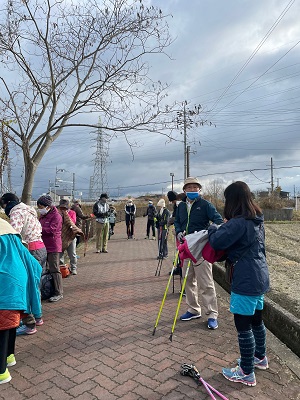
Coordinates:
[98,181]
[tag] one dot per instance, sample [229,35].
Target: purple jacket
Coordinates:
[51,231]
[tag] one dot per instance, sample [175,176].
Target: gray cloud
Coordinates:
[257,118]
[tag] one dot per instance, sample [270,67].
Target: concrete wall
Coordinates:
[279,321]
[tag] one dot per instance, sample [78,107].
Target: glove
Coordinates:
[180,237]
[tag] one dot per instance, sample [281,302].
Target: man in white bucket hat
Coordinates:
[195,214]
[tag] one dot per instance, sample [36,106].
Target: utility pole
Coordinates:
[272,177]
[185,118]
[73,187]
[172,176]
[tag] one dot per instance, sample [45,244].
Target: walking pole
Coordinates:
[162,252]
[86,237]
[165,294]
[179,301]
[192,371]
[175,247]
[158,268]
[160,255]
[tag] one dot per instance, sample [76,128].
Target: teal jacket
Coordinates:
[20,275]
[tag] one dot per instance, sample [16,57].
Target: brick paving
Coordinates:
[97,343]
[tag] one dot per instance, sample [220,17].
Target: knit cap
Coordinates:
[161,203]
[64,203]
[172,195]
[45,201]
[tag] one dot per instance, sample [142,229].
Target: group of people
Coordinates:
[31,245]
[240,234]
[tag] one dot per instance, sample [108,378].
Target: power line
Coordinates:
[254,52]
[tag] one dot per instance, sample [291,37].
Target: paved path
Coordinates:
[97,343]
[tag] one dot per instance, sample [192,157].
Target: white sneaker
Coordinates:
[56,298]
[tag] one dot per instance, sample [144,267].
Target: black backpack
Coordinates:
[47,286]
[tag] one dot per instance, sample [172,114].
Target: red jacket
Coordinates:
[51,230]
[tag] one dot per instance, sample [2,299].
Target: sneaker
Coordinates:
[5,377]
[98,251]
[212,323]
[74,271]
[25,330]
[147,237]
[237,375]
[11,360]
[39,321]
[153,238]
[259,364]
[104,251]
[56,298]
[188,316]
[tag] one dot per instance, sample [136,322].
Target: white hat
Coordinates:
[150,202]
[161,203]
[190,179]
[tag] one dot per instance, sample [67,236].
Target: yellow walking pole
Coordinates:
[165,294]
[179,301]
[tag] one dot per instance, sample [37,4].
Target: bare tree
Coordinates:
[214,191]
[65,59]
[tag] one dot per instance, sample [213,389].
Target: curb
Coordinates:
[284,325]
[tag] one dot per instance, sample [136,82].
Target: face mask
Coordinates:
[192,195]
[43,211]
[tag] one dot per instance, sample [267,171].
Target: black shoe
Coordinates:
[177,271]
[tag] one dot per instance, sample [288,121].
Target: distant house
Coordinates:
[60,194]
[284,195]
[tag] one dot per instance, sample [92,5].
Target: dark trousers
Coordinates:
[150,224]
[162,242]
[130,228]
[53,266]
[7,346]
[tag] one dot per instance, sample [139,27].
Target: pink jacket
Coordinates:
[24,219]
[51,230]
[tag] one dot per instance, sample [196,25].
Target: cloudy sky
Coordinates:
[239,60]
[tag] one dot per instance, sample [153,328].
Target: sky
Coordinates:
[240,61]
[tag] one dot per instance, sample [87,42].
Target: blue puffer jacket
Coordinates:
[201,214]
[244,240]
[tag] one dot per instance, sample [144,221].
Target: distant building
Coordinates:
[284,195]
[60,194]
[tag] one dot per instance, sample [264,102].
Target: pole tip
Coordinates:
[153,333]
[171,337]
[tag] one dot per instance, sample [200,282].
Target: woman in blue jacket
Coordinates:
[20,275]
[243,237]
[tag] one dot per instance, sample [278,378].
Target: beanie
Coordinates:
[65,203]
[190,179]
[161,203]
[7,197]
[172,195]
[103,196]
[45,201]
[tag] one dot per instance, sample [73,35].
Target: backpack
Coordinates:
[47,286]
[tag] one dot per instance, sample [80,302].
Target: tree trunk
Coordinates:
[30,169]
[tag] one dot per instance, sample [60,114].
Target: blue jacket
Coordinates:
[201,214]
[244,240]
[20,275]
